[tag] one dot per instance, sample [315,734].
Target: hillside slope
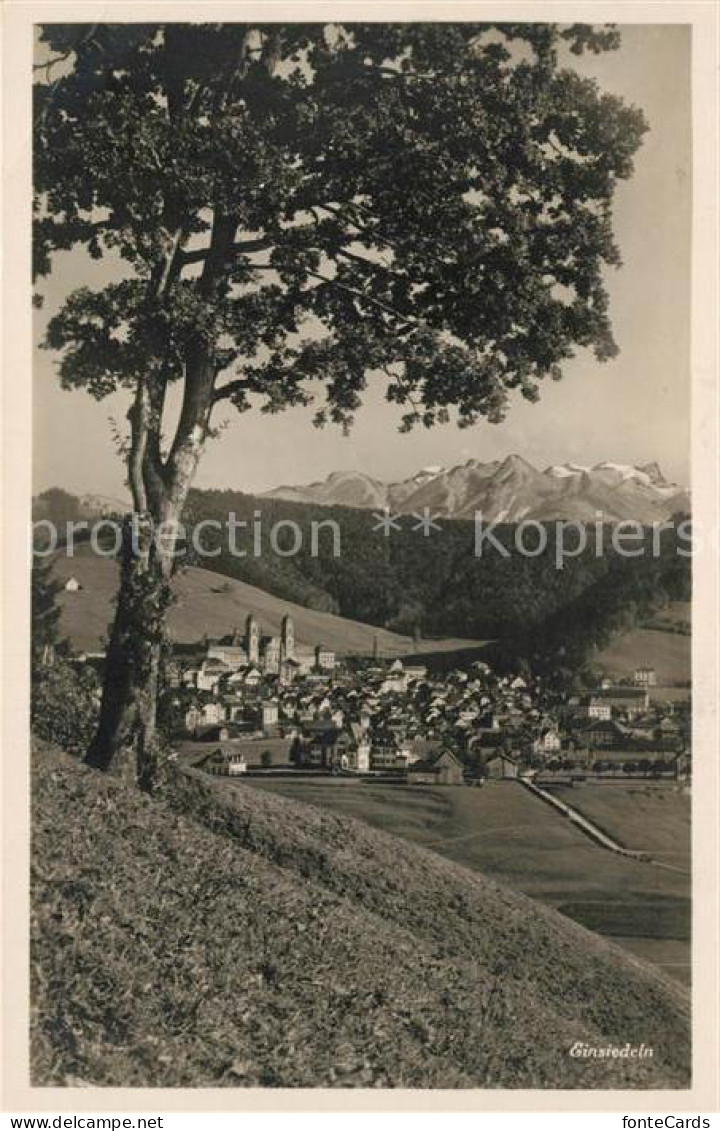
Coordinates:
[218,937]
[668,652]
[208,603]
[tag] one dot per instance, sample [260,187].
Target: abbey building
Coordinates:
[271,655]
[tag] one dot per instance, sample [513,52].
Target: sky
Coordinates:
[634,409]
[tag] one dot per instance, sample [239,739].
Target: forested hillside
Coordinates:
[442,583]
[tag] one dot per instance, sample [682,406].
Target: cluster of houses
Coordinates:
[251,700]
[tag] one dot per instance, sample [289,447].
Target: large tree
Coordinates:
[303,207]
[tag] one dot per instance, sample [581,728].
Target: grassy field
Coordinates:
[652,817]
[210,604]
[676,614]
[663,695]
[224,937]
[503,831]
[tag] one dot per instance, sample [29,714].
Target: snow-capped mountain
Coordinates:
[508,490]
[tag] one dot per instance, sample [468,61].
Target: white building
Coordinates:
[594,708]
[324,658]
[396,680]
[547,743]
[209,674]
[208,714]
[645,677]
[270,714]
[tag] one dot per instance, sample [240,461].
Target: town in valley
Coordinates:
[251,703]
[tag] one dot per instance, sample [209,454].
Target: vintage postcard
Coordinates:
[361,556]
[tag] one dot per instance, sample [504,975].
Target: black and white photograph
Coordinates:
[361,678]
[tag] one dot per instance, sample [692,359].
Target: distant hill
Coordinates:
[411,584]
[220,937]
[507,490]
[98,506]
[59,506]
[208,603]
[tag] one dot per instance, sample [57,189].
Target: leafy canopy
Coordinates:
[430,202]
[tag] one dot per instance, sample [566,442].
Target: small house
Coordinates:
[386,756]
[212,734]
[443,769]
[210,673]
[204,715]
[501,767]
[222,762]
[548,742]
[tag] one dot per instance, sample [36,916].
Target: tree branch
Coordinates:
[145,466]
[200,369]
[369,262]
[402,318]
[53,62]
[137,415]
[192,426]
[153,467]
[225,391]
[243,247]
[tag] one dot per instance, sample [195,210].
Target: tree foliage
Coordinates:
[296,207]
[306,204]
[56,506]
[64,706]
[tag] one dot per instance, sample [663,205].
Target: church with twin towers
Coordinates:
[279,655]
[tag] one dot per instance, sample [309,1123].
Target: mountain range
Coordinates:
[507,490]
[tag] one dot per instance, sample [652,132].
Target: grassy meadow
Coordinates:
[661,646]
[224,937]
[504,832]
[210,604]
[652,817]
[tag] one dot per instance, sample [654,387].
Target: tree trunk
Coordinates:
[125,741]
